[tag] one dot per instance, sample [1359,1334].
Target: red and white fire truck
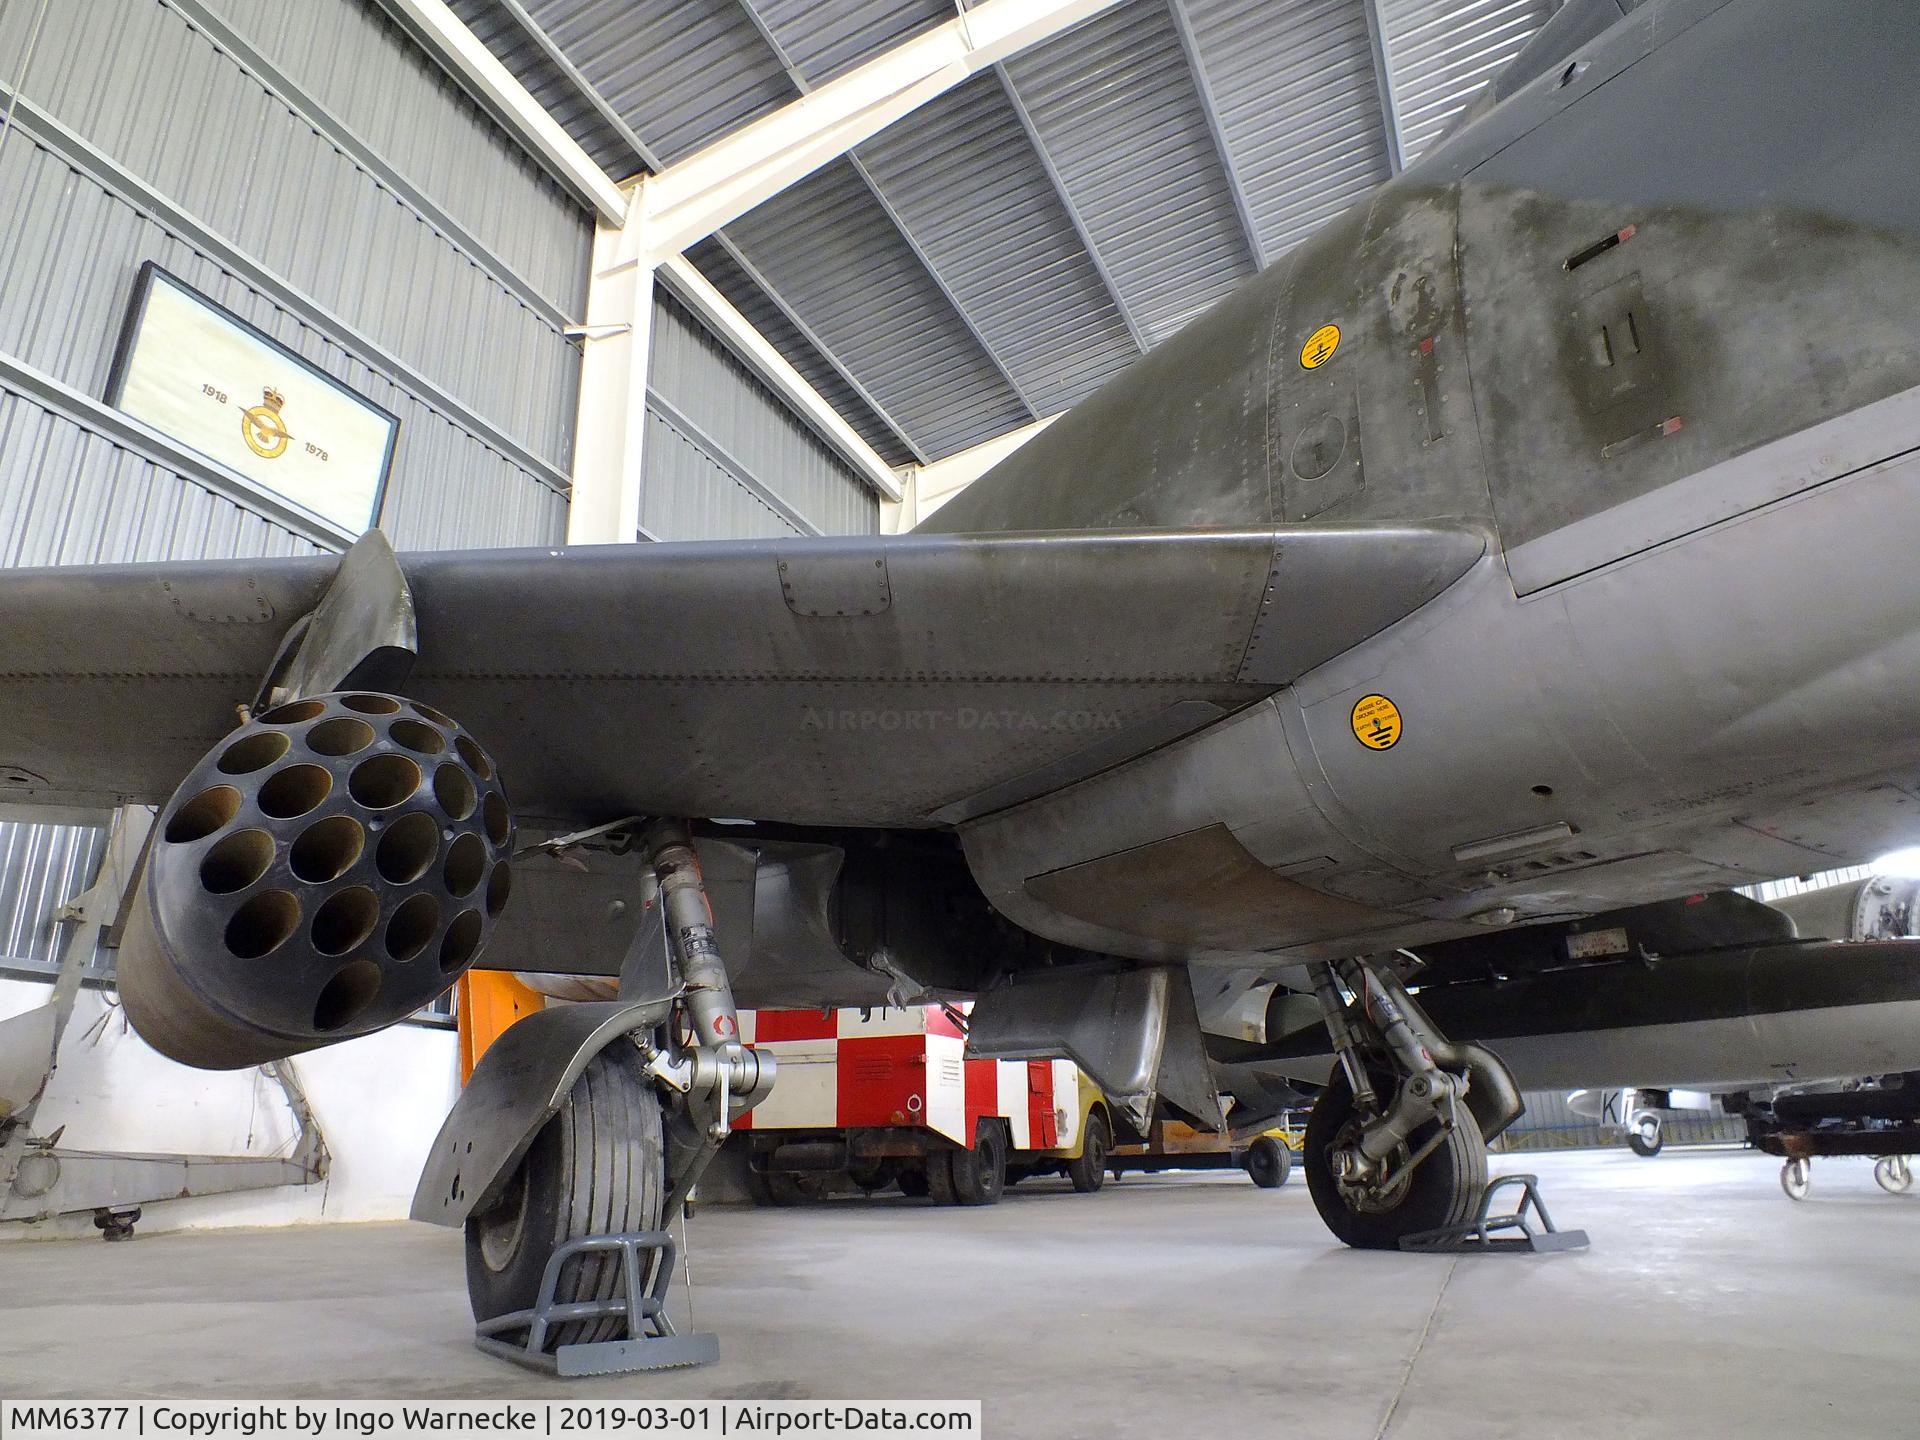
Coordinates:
[887,1096]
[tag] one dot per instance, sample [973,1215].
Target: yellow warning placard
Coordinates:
[1376,722]
[1319,347]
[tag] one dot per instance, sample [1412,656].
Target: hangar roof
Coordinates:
[992,257]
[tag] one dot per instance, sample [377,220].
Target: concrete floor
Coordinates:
[1710,1304]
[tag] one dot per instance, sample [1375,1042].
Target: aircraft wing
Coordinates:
[909,680]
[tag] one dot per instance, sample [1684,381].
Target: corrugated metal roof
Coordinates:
[680,72]
[1441,52]
[823,41]
[829,248]
[763,312]
[1125,179]
[527,61]
[1010,255]
[1293,84]
[1115,106]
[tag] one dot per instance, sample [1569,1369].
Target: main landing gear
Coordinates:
[1397,1142]
[632,1134]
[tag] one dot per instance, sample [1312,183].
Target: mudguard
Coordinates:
[519,1084]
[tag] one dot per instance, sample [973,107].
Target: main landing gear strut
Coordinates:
[1397,1142]
[634,1131]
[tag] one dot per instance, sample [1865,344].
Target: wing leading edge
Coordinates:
[907,680]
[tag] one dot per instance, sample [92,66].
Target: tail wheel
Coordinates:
[1088,1169]
[597,1167]
[1269,1163]
[1444,1189]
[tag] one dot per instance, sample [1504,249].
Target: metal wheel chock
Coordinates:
[1477,1236]
[651,1342]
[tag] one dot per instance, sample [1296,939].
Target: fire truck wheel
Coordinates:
[787,1189]
[1268,1163]
[598,1166]
[913,1182]
[980,1174]
[940,1177]
[1088,1169]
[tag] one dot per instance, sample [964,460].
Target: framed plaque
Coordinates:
[199,373]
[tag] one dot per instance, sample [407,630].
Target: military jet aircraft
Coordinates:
[1535,542]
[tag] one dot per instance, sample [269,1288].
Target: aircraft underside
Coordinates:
[1525,556]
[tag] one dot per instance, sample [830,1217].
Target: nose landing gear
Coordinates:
[1396,1143]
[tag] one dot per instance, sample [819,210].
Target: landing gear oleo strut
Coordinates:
[593,1121]
[1396,1143]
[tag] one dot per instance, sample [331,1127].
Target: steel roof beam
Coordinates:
[694,289]
[805,86]
[1073,211]
[693,197]
[1383,83]
[912,446]
[442,34]
[1190,47]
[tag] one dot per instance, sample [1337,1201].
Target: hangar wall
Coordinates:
[310,169]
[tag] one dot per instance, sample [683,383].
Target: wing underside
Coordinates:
[908,680]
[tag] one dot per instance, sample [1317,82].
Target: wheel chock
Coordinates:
[651,1342]
[1478,1236]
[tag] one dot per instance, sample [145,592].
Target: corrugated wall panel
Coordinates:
[42,867]
[969,188]
[679,72]
[69,496]
[69,255]
[1299,107]
[350,58]
[135,79]
[1115,106]
[690,493]
[831,250]
[1440,54]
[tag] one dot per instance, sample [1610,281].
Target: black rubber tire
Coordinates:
[1269,1163]
[597,1167]
[940,1177]
[980,1174]
[1644,1148]
[1088,1169]
[913,1180]
[1444,1190]
[788,1189]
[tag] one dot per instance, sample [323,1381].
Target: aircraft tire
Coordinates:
[1445,1189]
[1644,1146]
[597,1167]
[1088,1169]
[1268,1163]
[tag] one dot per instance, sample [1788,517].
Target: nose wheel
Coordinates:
[1397,1142]
[1404,1197]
